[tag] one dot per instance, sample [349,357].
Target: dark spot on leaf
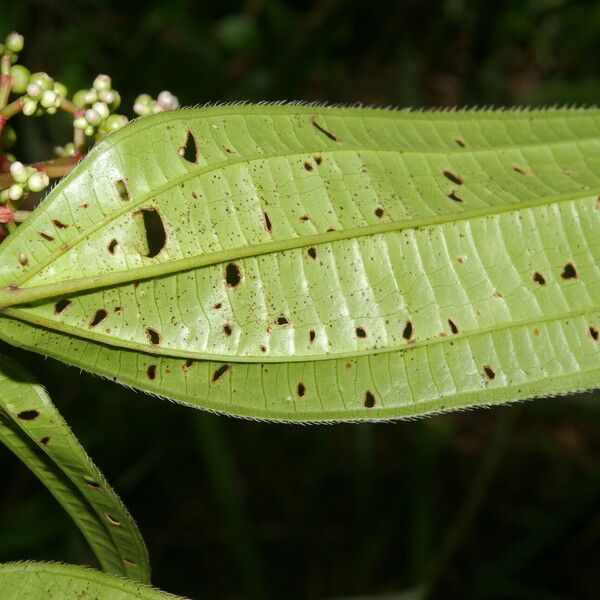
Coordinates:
[454,196]
[407,333]
[455,179]
[489,372]
[156,236]
[151,372]
[569,271]
[311,336]
[263,348]
[369,399]
[100,315]
[59,224]
[519,169]
[459,142]
[593,333]
[187,365]
[220,372]
[453,326]
[194,196]
[312,252]
[28,415]
[233,275]
[46,236]
[228,149]
[227,329]
[539,278]
[267,222]
[112,520]
[218,305]
[301,389]
[360,332]
[118,309]
[323,130]
[44,441]
[23,260]
[308,166]
[112,246]
[189,150]
[379,212]
[91,483]
[318,159]
[122,190]
[304,218]
[153,336]
[537,332]
[61,305]
[282,321]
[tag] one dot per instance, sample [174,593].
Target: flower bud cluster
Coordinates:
[146,105]
[96,105]
[42,94]
[26,179]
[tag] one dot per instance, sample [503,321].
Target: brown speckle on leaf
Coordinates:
[489,372]
[44,441]
[311,336]
[61,305]
[539,278]
[282,320]
[369,401]
[312,252]
[453,177]
[268,225]
[459,142]
[593,333]
[323,130]
[453,327]
[408,331]
[360,332]
[46,236]
[219,373]
[187,365]
[59,224]
[23,260]
[189,150]
[112,246]
[153,336]
[151,372]
[227,329]
[308,166]
[379,212]
[454,196]
[301,389]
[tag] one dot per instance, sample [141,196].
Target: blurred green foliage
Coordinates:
[501,503]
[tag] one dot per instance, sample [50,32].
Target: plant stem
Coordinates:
[6,79]
[55,169]
[10,110]
[68,106]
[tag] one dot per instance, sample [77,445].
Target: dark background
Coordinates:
[498,503]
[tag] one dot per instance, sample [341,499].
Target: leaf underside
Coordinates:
[309,263]
[34,430]
[54,581]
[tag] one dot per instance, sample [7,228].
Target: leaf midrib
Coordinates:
[107,340]
[12,296]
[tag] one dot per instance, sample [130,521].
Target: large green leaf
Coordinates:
[309,263]
[34,430]
[54,581]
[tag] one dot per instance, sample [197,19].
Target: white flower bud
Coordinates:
[80,123]
[102,109]
[49,99]
[102,82]
[14,41]
[167,101]
[18,171]
[15,192]
[34,91]
[92,117]
[29,107]
[90,97]
[38,181]
[107,96]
